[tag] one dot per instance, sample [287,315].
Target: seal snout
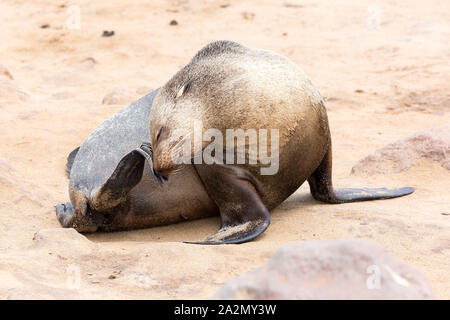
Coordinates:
[160,172]
[162,164]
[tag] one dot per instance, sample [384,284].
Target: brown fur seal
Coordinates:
[228,86]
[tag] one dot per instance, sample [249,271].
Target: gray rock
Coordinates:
[432,144]
[341,269]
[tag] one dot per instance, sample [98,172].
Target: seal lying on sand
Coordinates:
[225,86]
[111,189]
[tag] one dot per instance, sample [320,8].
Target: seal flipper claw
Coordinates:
[321,186]
[235,191]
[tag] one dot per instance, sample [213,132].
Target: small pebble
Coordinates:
[173,23]
[107,33]
[248,15]
[5,72]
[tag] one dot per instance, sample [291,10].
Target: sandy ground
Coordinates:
[382,66]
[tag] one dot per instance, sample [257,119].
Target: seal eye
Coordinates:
[159,133]
[182,90]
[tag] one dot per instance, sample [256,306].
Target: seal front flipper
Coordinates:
[321,186]
[146,150]
[127,174]
[235,192]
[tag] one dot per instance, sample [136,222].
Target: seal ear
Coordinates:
[70,160]
[182,90]
[127,174]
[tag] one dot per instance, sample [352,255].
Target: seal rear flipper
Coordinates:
[70,160]
[365,194]
[320,183]
[235,191]
[127,175]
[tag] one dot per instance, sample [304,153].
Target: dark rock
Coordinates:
[107,33]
